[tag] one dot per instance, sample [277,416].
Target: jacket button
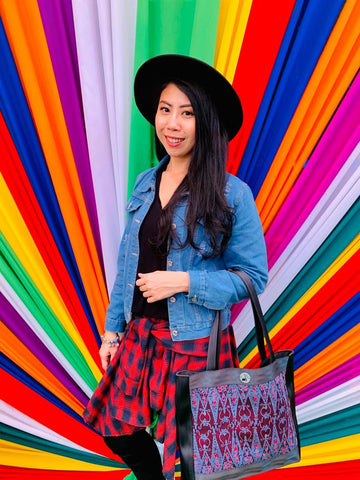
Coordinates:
[194,299]
[172,299]
[175,333]
[170,263]
[173,226]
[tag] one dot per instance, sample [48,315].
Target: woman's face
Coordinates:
[175,123]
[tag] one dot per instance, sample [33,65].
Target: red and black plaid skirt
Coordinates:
[140,382]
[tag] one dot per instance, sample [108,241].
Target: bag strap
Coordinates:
[260,327]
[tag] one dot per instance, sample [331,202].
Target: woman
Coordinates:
[189,224]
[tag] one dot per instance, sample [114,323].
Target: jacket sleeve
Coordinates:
[115,317]
[245,251]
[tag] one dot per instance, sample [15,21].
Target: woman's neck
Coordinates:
[178,167]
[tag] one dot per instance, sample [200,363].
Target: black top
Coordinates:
[150,260]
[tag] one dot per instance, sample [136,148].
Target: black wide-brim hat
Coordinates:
[157,71]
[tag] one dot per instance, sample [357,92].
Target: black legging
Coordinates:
[140,453]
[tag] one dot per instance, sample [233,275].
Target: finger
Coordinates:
[105,362]
[113,352]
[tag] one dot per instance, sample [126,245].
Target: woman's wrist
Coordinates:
[110,339]
[185,281]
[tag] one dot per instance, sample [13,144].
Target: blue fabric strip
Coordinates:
[332,247]
[308,30]
[343,320]
[14,370]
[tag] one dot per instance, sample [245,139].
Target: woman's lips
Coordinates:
[173,141]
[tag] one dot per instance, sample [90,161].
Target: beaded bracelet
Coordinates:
[110,343]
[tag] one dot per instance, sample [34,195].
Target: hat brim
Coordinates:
[157,71]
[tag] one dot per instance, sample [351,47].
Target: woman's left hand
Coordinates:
[162,284]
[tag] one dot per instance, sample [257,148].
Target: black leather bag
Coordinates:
[237,422]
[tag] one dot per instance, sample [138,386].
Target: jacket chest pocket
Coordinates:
[134,204]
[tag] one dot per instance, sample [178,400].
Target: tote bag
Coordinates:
[236,422]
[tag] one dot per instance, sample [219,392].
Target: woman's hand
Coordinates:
[162,284]
[107,351]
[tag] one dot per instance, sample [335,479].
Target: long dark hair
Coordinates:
[205,181]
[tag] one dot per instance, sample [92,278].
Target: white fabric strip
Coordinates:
[26,315]
[331,208]
[343,396]
[105,37]
[16,419]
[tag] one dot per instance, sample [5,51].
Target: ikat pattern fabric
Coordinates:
[236,425]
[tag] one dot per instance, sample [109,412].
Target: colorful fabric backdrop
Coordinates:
[72,143]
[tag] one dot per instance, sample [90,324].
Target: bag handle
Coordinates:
[260,327]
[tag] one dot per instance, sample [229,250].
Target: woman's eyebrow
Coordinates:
[181,106]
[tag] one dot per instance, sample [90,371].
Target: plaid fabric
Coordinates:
[141,380]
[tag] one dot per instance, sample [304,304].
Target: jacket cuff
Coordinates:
[196,287]
[115,324]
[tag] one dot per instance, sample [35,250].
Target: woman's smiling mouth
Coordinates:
[174,140]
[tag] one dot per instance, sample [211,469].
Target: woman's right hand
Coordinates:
[107,352]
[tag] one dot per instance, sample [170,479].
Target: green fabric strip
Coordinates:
[26,290]
[342,423]
[167,26]
[329,251]
[19,437]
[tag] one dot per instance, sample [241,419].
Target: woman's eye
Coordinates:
[188,113]
[164,109]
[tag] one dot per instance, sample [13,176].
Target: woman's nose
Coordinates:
[173,121]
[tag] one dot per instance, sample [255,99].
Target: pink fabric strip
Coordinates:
[332,151]
[334,378]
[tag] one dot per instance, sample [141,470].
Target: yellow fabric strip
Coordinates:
[25,33]
[341,449]
[332,76]
[352,248]
[14,349]
[11,454]
[14,455]
[233,18]
[19,238]
[344,348]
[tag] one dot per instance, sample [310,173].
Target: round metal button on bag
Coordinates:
[245,377]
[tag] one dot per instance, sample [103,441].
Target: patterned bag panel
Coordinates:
[237,425]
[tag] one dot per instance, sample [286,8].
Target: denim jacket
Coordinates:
[212,286]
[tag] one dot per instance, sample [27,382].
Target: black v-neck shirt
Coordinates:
[150,260]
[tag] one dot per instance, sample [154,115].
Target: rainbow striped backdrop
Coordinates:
[68,127]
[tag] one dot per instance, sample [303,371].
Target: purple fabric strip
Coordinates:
[58,25]
[23,332]
[332,151]
[343,373]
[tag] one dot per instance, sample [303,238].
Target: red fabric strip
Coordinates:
[24,196]
[339,289]
[24,399]
[264,32]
